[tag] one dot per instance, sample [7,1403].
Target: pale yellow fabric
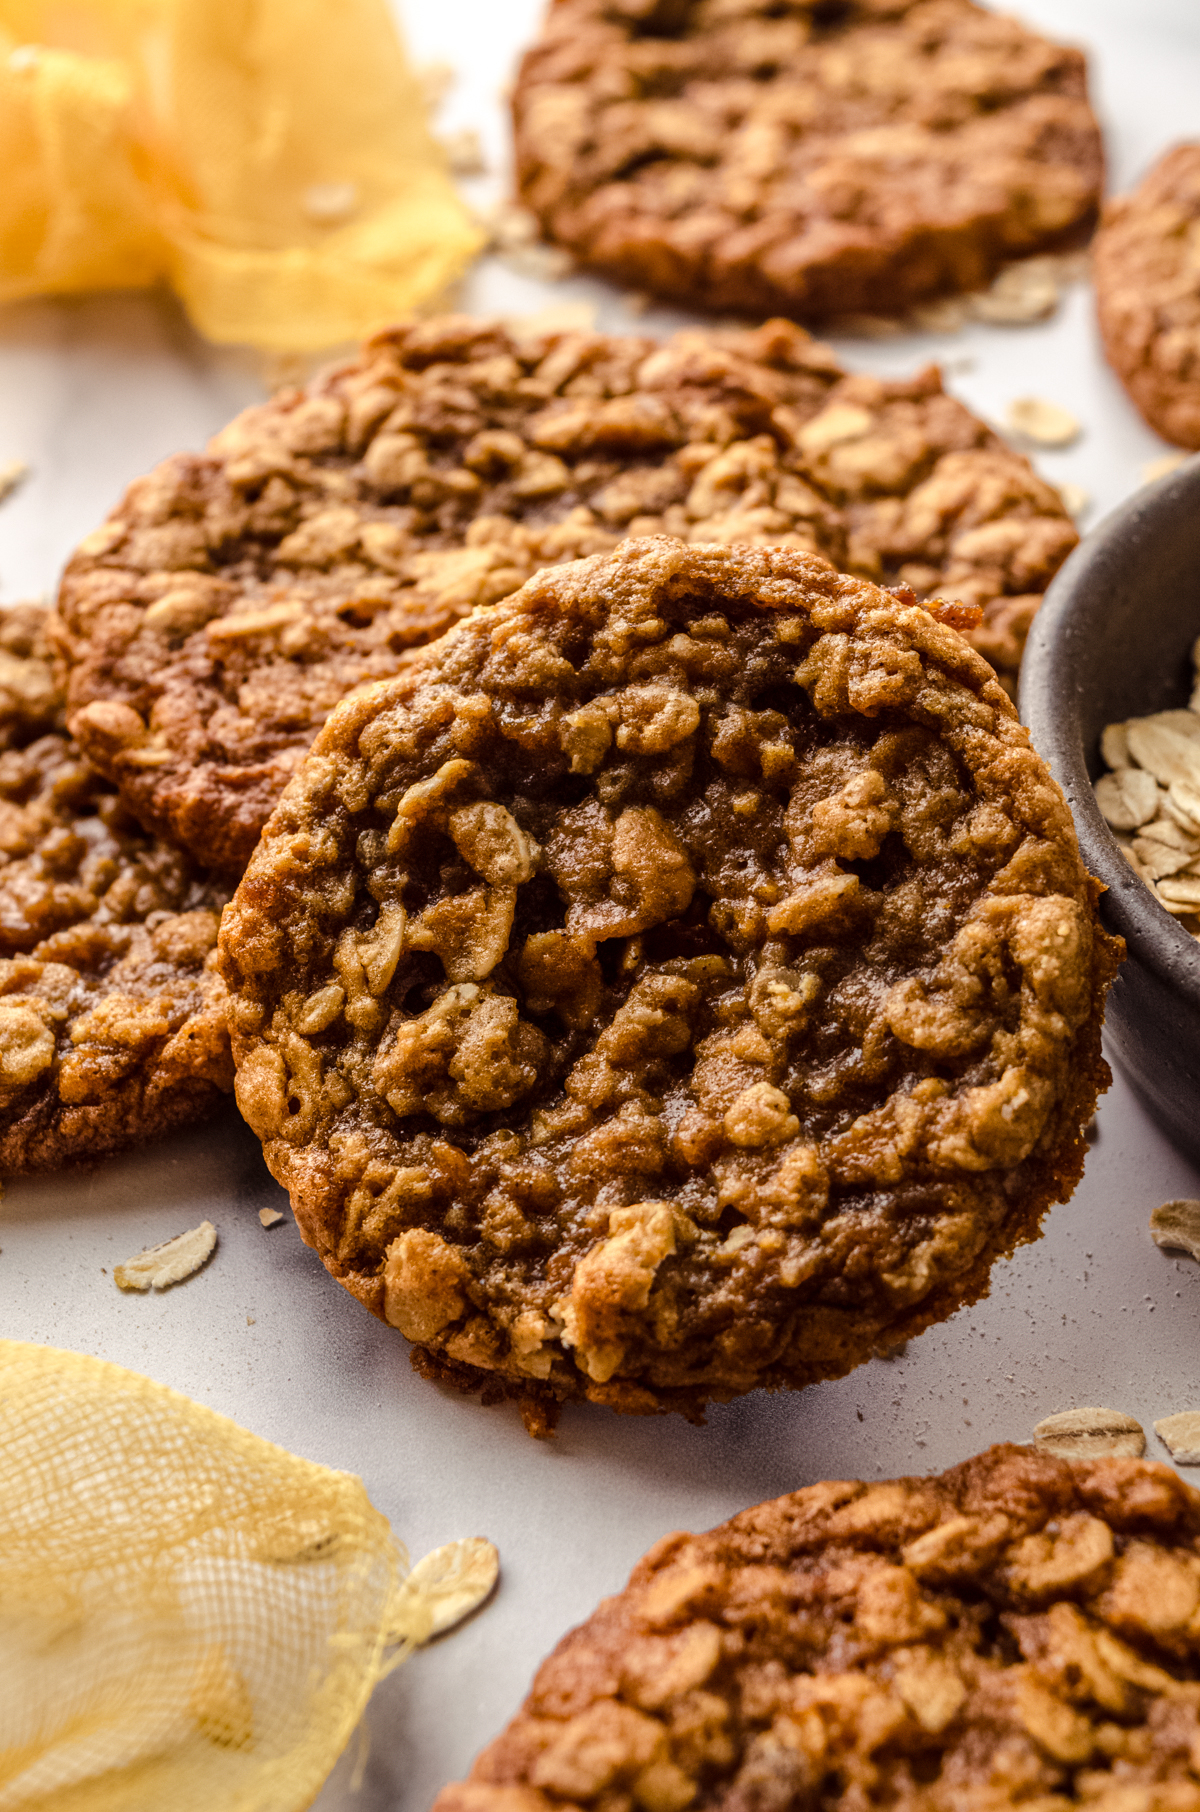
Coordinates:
[190,1618]
[179,139]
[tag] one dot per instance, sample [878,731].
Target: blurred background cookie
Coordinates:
[234,597]
[1009,1633]
[683,980]
[1146,269]
[816,161]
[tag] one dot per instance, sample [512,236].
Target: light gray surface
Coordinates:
[94,392]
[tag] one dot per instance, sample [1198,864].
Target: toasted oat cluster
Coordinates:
[234,598]
[1146,268]
[684,980]
[762,155]
[1018,1632]
[112,1019]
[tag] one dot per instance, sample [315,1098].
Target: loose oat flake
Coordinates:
[454,1580]
[160,1266]
[269,1217]
[1180,1434]
[1176,1225]
[464,152]
[1023,292]
[12,474]
[1090,1434]
[1160,467]
[1043,422]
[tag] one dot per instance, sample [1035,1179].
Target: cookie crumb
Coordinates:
[1180,1435]
[170,1263]
[1076,501]
[269,1217]
[1090,1434]
[1045,423]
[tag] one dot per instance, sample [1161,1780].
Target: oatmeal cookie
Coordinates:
[1146,268]
[1020,1631]
[112,1013]
[31,699]
[762,155]
[234,598]
[685,981]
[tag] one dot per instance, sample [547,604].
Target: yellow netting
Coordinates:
[270,158]
[189,1616]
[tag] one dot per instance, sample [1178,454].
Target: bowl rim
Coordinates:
[1050,707]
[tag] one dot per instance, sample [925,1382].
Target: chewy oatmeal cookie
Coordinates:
[112,1014]
[234,598]
[31,698]
[685,981]
[1018,1632]
[763,155]
[1146,268]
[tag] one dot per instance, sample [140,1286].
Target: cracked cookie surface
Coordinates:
[112,1015]
[1146,271]
[812,160]
[235,597]
[1018,1631]
[684,980]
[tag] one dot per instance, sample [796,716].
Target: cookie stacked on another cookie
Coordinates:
[234,597]
[775,155]
[683,980]
[1146,268]
[112,1015]
[1018,1632]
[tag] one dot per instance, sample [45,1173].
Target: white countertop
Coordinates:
[94,391]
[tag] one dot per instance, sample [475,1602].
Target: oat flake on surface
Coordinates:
[170,1263]
[1090,1434]
[1180,1435]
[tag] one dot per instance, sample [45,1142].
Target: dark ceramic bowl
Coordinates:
[1113,640]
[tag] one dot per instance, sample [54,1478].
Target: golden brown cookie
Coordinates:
[235,597]
[773,155]
[112,1014]
[685,980]
[1018,1632]
[31,698]
[1146,268]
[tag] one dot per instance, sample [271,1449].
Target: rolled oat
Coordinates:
[1043,422]
[1090,1434]
[158,1267]
[455,1580]
[1151,798]
[1180,1434]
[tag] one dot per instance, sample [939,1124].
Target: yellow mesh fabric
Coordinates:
[189,1616]
[201,141]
